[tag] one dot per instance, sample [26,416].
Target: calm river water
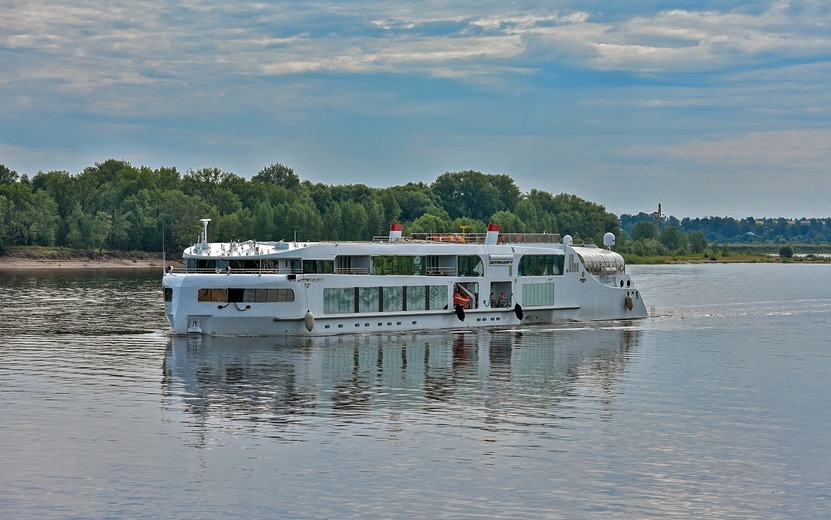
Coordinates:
[716,407]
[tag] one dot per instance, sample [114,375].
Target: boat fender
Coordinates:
[518,311]
[460,312]
[309,320]
[629,303]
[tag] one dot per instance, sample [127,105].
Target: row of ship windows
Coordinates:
[363,299]
[461,265]
[234,295]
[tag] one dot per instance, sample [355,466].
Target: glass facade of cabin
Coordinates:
[384,299]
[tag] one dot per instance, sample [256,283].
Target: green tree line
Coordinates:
[116,206]
[747,230]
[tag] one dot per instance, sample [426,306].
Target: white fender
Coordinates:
[309,320]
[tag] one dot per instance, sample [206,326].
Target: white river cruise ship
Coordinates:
[425,281]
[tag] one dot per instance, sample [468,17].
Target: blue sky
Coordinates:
[710,108]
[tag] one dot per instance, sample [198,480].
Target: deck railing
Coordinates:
[475,238]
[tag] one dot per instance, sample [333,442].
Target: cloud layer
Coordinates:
[565,96]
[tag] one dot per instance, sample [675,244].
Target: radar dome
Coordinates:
[609,239]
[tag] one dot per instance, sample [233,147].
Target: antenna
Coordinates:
[205,230]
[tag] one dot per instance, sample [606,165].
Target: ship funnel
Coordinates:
[395,232]
[493,234]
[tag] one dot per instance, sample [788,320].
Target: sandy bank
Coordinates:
[55,259]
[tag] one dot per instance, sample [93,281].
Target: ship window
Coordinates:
[416,297]
[369,299]
[438,297]
[541,265]
[399,265]
[168,294]
[280,295]
[538,294]
[393,299]
[338,300]
[238,295]
[317,266]
[212,295]
[470,265]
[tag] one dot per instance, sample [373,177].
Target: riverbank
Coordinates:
[64,258]
[733,258]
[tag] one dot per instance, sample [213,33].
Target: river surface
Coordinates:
[717,406]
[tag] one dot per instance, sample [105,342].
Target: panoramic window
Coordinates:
[398,265]
[541,265]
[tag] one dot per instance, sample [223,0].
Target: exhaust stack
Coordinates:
[395,232]
[493,234]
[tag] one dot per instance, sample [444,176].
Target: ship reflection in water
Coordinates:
[482,379]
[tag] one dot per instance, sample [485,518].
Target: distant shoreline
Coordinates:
[57,258]
[21,264]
